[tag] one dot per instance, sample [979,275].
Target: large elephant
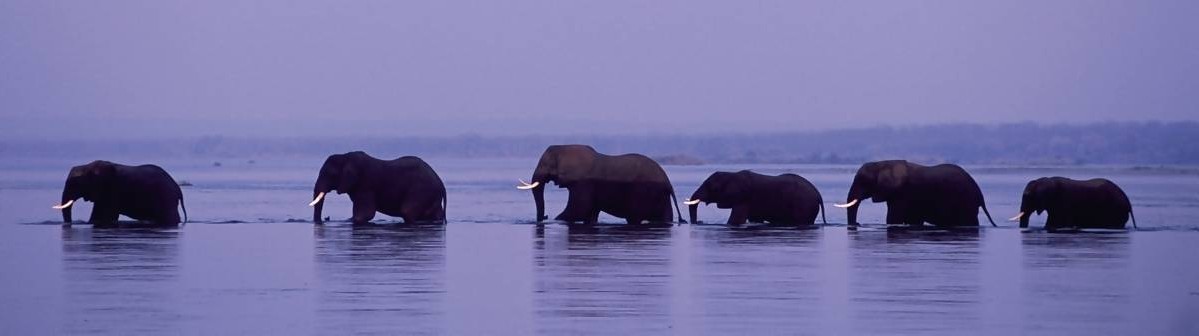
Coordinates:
[406,187]
[1095,203]
[943,195]
[629,186]
[145,193]
[785,199]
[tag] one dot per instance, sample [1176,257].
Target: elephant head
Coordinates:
[880,181]
[91,181]
[723,188]
[564,165]
[1039,195]
[340,172]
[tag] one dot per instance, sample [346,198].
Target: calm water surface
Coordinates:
[250,264]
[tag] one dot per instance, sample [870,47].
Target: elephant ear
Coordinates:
[733,189]
[891,180]
[569,164]
[103,172]
[1051,195]
[349,177]
[738,187]
[101,169]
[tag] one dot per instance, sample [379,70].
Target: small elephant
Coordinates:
[406,187]
[629,186]
[1095,204]
[145,193]
[943,195]
[784,199]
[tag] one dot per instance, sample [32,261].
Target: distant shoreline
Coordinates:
[1148,144]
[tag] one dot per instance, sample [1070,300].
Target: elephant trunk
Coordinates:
[1024,219]
[851,215]
[540,178]
[66,212]
[854,199]
[317,208]
[692,209]
[539,199]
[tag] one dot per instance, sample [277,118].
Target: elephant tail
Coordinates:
[1130,215]
[984,206]
[184,206]
[677,210]
[820,200]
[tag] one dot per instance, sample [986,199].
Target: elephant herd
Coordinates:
[628,186]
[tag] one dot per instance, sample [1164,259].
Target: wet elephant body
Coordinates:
[1089,204]
[406,187]
[629,186]
[145,193]
[786,199]
[629,200]
[942,195]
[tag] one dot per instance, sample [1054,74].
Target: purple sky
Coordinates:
[161,68]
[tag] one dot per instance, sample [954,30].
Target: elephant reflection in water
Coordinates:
[374,277]
[111,275]
[586,271]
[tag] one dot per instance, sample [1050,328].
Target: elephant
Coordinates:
[783,199]
[145,193]
[942,195]
[1095,203]
[406,187]
[629,186]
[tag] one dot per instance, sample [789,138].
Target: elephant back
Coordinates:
[628,168]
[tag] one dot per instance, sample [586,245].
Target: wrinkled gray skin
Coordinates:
[1095,203]
[629,186]
[145,193]
[786,199]
[943,195]
[406,187]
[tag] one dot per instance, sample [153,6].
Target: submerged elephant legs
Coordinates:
[634,202]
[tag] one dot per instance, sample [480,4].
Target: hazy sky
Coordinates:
[161,68]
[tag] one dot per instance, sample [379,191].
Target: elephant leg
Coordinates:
[916,216]
[969,216]
[364,211]
[592,218]
[739,215]
[667,212]
[579,203]
[896,214]
[104,215]
[421,211]
[633,221]
[167,216]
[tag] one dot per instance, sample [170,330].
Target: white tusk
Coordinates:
[692,202]
[526,186]
[1017,217]
[846,205]
[64,206]
[318,198]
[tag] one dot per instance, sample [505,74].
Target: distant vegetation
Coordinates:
[678,160]
[1021,143]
